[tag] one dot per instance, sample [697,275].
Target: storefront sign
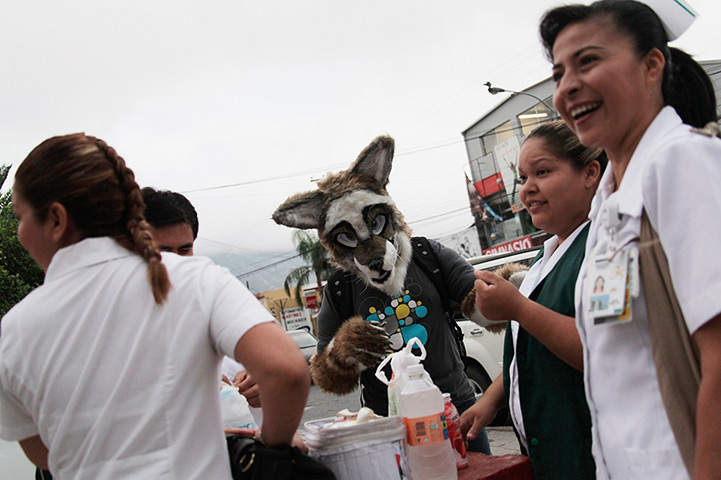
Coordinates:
[311,301]
[512,246]
[517,207]
[295,318]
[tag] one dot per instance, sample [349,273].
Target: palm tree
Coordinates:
[312,251]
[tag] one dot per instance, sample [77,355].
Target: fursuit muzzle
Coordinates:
[356,219]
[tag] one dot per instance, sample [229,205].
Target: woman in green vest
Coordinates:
[542,381]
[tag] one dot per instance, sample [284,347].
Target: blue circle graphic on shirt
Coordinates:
[421,311]
[415,331]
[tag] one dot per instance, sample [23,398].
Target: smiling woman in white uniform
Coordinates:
[620,88]
[542,356]
[110,369]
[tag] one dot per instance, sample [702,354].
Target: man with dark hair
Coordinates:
[173,218]
[174,223]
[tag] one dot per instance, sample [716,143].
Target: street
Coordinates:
[324,405]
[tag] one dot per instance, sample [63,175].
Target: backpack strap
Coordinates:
[427,260]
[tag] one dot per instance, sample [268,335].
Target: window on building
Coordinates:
[533,117]
[499,134]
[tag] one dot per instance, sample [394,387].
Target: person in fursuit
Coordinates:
[390,286]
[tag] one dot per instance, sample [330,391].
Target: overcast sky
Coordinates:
[269,94]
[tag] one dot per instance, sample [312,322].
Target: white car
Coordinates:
[305,341]
[484,350]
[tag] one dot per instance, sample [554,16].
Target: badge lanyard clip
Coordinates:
[611,220]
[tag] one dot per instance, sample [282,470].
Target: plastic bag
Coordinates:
[234,409]
[400,361]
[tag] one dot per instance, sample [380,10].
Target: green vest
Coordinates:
[553,400]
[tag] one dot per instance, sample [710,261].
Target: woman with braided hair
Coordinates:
[109,369]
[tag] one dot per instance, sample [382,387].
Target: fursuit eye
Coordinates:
[347,240]
[378,223]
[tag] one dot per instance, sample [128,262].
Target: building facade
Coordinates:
[290,314]
[493,144]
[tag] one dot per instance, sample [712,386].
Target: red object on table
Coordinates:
[496,467]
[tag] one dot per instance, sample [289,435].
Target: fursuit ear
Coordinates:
[375,160]
[301,210]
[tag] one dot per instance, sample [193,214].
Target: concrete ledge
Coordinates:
[496,467]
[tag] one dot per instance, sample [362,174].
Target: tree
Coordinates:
[312,251]
[19,274]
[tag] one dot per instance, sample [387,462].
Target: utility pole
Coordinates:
[281,304]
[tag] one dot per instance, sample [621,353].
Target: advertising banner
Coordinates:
[512,246]
[464,242]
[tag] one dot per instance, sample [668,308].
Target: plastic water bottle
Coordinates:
[454,432]
[430,453]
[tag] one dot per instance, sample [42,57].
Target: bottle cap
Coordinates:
[415,370]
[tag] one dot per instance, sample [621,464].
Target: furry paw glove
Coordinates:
[514,273]
[356,346]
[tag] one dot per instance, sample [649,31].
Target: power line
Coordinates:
[262,180]
[440,215]
[296,255]
[265,267]
[315,170]
[270,265]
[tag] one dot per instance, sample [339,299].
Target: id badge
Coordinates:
[609,292]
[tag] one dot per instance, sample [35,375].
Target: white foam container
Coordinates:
[374,450]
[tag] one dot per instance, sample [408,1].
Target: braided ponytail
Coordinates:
[99,193]
[137,237]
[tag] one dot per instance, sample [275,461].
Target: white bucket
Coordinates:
[374,450]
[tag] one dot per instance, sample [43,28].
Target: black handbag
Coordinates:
[251,460]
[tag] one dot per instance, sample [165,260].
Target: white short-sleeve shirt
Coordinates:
[675,175]
[116,385]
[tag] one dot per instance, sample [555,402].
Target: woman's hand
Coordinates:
[247,387]
[475,418]
[483,411]
[242,431]
[298,442]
